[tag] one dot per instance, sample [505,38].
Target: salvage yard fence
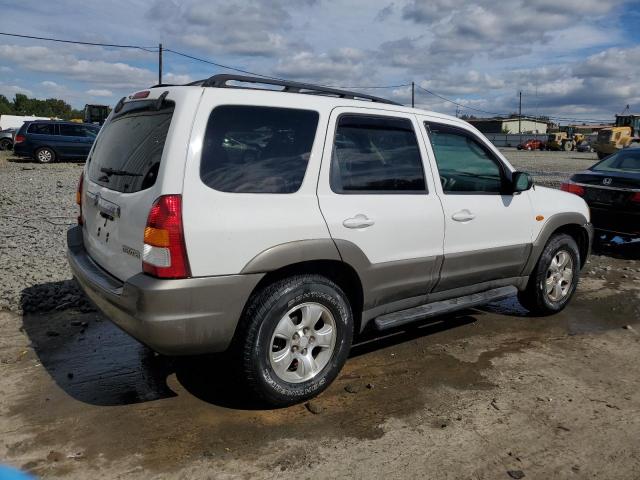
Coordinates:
[513,139]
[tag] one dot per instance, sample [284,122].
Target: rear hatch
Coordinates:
[121,182]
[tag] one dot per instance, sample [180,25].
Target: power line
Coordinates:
[220,65]
[248,72]
[460,104]
[78,42]
[235,69]
[182,54]
[554,117]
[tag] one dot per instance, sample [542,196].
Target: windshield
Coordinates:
[627,160]
[127,153]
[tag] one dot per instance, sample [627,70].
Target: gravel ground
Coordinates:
[550,168]
[37,206]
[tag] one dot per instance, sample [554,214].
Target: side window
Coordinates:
[257,149]
[376,154]
[464,164]
[73,130]
[42,128]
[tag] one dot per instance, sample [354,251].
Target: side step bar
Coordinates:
[395,319]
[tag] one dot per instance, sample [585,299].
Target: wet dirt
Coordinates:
[77,395]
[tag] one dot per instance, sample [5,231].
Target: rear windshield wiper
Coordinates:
[120,173]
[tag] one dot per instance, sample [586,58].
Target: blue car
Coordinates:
[47,141]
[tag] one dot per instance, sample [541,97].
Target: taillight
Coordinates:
[572,188]
[142,94]
[164,252]
[19,139]
[635,197]
[79,198]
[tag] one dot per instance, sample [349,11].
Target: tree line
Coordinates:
[51,107]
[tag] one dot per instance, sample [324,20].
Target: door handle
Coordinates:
[463,216]
[359,221]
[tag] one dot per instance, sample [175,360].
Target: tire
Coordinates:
[45,155]
[536,297]
[5,144]
[266,338]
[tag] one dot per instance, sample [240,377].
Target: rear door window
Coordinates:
[126,156]
[42,128]
[376,155]
[251,149]
[77,131]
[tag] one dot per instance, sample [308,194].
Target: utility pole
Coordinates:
[159,64]
[413,94]
[520,115]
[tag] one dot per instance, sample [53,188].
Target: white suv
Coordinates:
[277,223]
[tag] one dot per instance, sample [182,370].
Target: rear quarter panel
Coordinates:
[224,231]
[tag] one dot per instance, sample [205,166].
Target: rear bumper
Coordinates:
[173,317]
[22,149]
[612,220]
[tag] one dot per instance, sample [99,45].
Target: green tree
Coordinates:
[6,107]
[51,107]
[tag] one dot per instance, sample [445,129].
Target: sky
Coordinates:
[571,59]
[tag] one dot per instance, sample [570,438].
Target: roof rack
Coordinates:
[221,81]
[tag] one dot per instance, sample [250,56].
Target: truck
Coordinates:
[565,140]
[96,113]
[625,131]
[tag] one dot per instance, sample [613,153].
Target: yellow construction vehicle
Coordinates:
[565,140]
[625,131]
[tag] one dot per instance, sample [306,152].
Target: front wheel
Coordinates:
[554,278]
[294,338]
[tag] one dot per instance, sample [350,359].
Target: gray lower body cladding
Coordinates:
[469,268]
[173,317]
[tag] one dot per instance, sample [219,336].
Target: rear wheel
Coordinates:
[294,338]
[5,144]
[555,277]
[45,155]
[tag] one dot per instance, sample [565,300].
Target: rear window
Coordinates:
[251,149]
[42,128]
[127,153]
[627,160]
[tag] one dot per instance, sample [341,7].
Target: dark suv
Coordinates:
[47,141]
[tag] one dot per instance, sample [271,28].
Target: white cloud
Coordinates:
[98,92]
[10,90]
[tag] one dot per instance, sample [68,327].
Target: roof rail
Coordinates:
[220,81]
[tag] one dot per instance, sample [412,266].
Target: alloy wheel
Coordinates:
[559,276]
[303,342]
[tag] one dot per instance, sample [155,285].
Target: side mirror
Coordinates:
[521,181]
